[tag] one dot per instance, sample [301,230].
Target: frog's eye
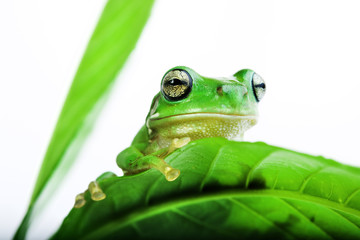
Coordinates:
[176,85]
[258,86]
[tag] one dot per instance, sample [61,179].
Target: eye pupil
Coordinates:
[174,82]
[262,85]
[259,87]
[176,85]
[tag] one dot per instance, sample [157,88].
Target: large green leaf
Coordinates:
[227,190]
[113,40]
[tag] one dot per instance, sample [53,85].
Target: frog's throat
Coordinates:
[200,125]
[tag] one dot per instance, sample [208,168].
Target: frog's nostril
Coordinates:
[219,90]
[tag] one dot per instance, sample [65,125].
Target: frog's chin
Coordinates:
[201,125]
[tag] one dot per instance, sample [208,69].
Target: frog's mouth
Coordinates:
[204,115]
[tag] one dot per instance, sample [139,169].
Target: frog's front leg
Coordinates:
[133,161]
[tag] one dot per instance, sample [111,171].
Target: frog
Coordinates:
[188,107]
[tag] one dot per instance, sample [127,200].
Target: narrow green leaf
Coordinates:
[114,38]
[226,190]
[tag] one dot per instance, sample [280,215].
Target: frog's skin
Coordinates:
[188,107]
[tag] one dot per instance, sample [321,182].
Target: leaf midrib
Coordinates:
[147,211]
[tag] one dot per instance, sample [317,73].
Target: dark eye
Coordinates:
[258,86]
[176,85]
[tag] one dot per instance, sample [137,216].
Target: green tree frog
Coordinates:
[188,107]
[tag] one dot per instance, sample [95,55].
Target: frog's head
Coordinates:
[190,105]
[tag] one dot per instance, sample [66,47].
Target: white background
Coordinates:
[308,52]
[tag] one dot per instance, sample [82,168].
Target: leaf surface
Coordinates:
[227,190]
[113,40]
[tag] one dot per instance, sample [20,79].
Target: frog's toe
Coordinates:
[79,200]
[98,196]
[95,191]
[171,173]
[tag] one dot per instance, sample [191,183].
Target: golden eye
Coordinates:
[176,85]
[258,85]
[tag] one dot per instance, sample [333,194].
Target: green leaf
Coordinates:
[226,190]
[114,38]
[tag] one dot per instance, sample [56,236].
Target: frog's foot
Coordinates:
[178,143]
[169,172]
[79,200]
[158,163]
[95,191]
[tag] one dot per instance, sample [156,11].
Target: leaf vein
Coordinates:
[247,181]
[306,217]
[262,217]
[151,188]
[211,168]
[198,222]
[136,228]
[348,199]
[308,178]
[347,219]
